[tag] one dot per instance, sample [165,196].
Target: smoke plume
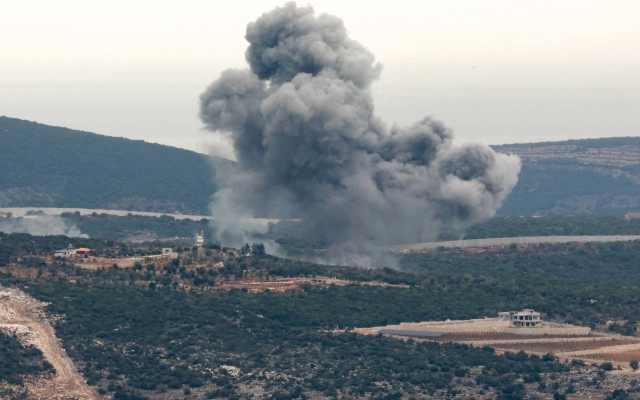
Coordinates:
[309,146]
[41,225]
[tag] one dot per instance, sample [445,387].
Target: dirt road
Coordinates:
[22,315]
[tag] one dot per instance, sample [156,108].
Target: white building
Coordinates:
[526,318]
[199,239]
[65,253]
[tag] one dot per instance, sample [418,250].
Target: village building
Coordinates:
[526,318]
[167,252]
[65,253]
[83,251]
[71,252]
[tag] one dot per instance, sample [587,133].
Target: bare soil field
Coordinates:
[492,336]
[555,347]
[291,284]
[484,326]
[25,317]
[562,340]
[106,262]
[624,357]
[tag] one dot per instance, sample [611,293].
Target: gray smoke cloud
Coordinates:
[309,146]
[41,225]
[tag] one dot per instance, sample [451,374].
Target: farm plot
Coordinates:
[562,340]
[556,347]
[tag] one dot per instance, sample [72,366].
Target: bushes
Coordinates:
[627,329]
[141,339]
[167,337]
[17,360]
[607,366]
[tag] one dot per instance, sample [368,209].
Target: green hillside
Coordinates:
[180,328]
[46,166]
[588,176]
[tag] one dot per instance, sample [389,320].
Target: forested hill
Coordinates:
[588,176]
[46,166]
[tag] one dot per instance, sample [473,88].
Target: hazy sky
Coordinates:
[496,71]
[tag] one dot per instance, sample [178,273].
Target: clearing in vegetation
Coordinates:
[562,340]
[24,316]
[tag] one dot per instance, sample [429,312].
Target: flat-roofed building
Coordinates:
[525,318]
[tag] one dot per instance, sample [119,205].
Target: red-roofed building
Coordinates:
[83,251]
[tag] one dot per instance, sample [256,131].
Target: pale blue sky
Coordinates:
[495,71]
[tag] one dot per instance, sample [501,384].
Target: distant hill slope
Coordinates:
[45,166]
[588,176]
[49,166]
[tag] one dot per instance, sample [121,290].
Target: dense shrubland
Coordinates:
[134,333]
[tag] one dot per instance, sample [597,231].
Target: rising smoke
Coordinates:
[41,225]
[309,146]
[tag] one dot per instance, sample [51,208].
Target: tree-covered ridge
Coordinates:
[57,167]
[551,225]
[549,187]
[50,166]
[586,176]
[140,228]
[578,143]
[133,334]
[16,360]
[287,233]
[160,328]
[15,245]
[594,263]
[133,340]
[293,239]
